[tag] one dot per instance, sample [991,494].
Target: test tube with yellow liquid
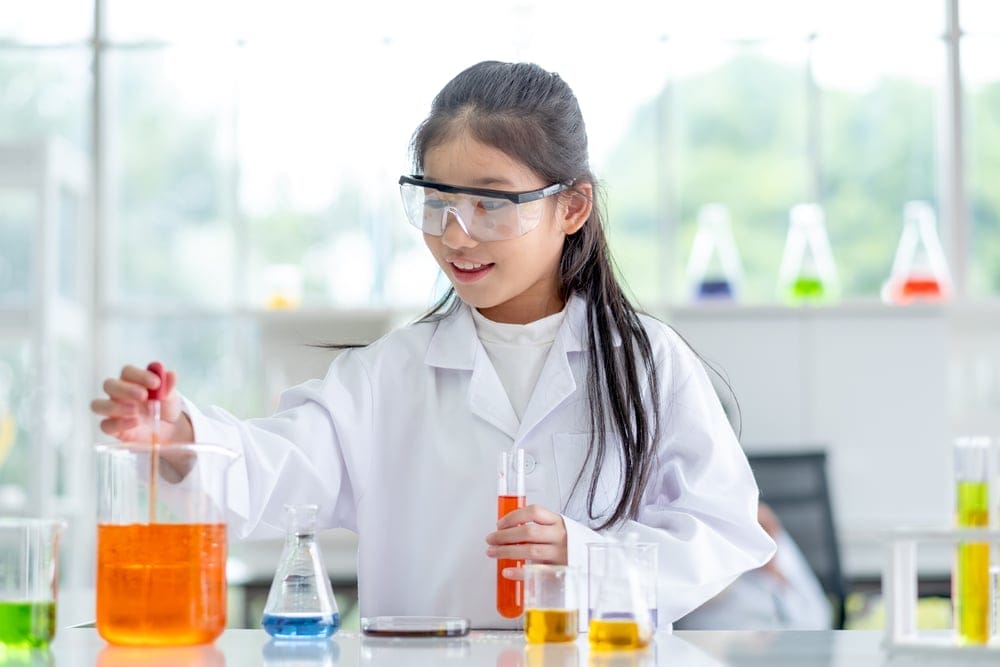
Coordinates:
[970,584]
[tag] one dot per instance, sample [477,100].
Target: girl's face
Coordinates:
[514,280]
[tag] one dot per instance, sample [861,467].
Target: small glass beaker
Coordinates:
[621,588]
[29,580]
[551,609]
[161,543]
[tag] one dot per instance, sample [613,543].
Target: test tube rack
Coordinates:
[899,590]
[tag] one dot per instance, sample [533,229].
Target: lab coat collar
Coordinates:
[455,342]
[455,345]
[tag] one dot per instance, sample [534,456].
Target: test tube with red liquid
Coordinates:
[510,496]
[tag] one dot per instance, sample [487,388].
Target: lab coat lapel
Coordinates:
[556,382]
[456,345]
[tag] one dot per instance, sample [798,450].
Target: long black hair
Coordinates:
[532,115]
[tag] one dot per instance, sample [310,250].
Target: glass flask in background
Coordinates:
[919,270]
[622,594]
[300,603]
[714,270]
[807,273]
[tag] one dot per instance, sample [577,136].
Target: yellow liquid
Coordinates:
[972,586]
[550,625]
[616,634]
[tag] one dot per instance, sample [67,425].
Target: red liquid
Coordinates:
[161,584]
[510,593]
[920,288]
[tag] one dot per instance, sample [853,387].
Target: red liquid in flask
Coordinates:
[510,593]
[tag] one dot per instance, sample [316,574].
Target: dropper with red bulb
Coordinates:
[155,397]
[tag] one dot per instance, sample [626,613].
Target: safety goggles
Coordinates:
[485,215]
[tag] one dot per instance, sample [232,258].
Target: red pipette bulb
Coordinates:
[157,368]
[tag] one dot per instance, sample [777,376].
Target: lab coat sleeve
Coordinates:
[312,450]
[700,504]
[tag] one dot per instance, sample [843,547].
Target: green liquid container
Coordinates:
[27,624]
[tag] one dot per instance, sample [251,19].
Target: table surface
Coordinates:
[83,647]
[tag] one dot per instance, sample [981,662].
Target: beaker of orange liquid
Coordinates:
[161,543]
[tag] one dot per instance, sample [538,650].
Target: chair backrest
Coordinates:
[794,485]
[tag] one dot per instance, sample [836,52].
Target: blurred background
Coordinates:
[213,184]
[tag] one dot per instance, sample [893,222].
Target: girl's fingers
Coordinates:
[121,390]
[533,513]
[536,553]
[116,425]
[111,408]
[528,532]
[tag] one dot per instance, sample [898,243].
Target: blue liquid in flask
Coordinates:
[305,625]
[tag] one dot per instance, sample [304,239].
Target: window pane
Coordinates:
[878,133]
[44,94]
[169,157]
[980,17]
[729,129]
[320,152]
[982,97]
[47,21]
[16,421]
[210,355]
[177,20]
[18,215]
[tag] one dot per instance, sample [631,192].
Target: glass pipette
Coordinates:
[155,396]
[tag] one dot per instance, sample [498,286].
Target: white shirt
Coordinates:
[518,352]
[399,442]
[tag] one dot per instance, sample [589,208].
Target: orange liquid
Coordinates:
[161,584]
[510,593]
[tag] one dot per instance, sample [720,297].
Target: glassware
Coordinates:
[510,496]
[551,655]
[29,580]
[919,270]
[807,273]
[714,270]
[281,653]
[551,609]
[162,582]
[622,594]
[971,581]
[300,603]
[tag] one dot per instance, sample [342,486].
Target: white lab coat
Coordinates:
[758,600]
[399,442]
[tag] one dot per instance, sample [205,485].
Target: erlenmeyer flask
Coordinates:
[714,270]
[919,270]
[300,602]
[620,615]
[807,272]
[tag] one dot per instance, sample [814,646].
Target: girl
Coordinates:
[535,346]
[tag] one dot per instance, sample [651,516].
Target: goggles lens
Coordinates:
[484,217]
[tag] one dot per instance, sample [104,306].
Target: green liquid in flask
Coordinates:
[808,287]
[27,624]
[972,589]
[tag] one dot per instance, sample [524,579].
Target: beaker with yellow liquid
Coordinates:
[622,592]
[551,609]
[161,548]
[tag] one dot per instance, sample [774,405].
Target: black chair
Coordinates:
[794,485]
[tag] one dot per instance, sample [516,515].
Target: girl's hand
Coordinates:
[127,414]
[530,533]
